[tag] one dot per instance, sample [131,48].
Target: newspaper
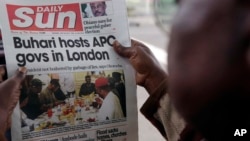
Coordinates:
[77,88]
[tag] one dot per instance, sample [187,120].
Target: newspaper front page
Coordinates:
[77,88]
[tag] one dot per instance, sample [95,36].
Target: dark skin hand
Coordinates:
[209,65]
[148,71]
[9,93]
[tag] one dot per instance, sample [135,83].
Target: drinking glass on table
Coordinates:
[49,113]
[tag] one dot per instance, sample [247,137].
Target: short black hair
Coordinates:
[55,82]
[36,82]
[87,76]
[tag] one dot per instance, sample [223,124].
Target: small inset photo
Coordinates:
[96,9]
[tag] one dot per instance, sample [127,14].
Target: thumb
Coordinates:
[9,89]
[17,78]
[127,52]
[9,93]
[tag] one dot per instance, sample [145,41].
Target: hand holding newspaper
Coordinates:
[77,87]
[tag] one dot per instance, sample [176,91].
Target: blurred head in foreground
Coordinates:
[209,65]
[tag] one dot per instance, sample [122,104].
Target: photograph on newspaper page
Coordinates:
[76,88]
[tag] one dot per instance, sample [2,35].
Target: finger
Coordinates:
[2,72]
[127,52]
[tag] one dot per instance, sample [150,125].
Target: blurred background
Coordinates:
[149,20]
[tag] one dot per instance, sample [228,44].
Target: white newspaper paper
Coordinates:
[61,42]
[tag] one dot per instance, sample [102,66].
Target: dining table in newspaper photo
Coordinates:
[76,110]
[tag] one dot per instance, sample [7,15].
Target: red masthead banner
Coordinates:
[65,17]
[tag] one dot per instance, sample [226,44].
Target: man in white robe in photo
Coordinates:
[110,105]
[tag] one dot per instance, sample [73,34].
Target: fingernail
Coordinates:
[116,43]
[22,69]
